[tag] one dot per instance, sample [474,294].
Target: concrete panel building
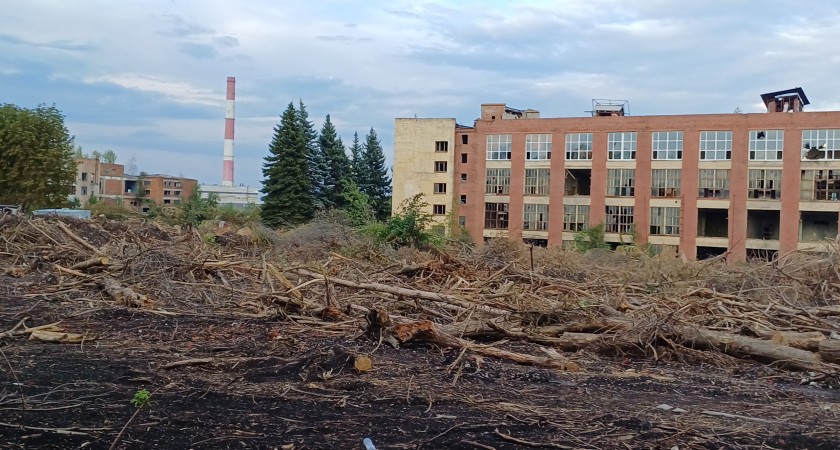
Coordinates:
[701,185]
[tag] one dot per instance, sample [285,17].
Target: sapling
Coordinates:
[141,400]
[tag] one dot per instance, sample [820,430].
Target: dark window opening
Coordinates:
[463,178]
[496,216]
[442,146]
[465,139]
[712,223]
[463,158]
[763,224]
[493,117]
[709,252]
[536,242]
[439,210]
[578,182]
[463,199]
[440,166]
[817,226]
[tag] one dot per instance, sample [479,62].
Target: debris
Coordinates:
[188,362]
[665,407]
[362,363]
[368,444]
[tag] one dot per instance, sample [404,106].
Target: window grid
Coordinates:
[579,146]
[536,217]
[820,144]
[621,146]
[538,147]
[439,210]
[619,219]
[498,147]
[441,146]
[665,182]
[463,178]
[496,216]
[537,181]
[765,184]
[440,166]
[667,145]
[665,221]
[820,185]
[498,182]
[766,145]
[716,145]
[440,188]
[714,183]
[621,182]
[575,217]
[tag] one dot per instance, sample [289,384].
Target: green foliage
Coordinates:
[37,162]
[113,211]
[591,238]
[315,158]
[357,205]
[373,177]
[97,155]
[236,216]
[356,151]
[92,200]
[409,226]
[78,153]
[287,186]
[109,157]
[76,203]
[337,175]
[142,399]
[196,209]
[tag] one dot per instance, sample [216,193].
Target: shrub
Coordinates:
[591,238]
[409,226]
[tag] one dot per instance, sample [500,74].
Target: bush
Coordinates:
[410,226]
[239,217]
[113,211]
[591,238]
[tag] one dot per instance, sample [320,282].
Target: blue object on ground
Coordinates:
[369,444]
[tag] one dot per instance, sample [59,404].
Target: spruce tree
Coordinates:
[375,180]
[314,158]
[356,151]
[337,164]
[287,186]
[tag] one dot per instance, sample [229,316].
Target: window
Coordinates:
[498,182]
[442,146]
[820,185]
[465,139]
[84,190]
[665,221]
[107,170]
[463,178]
[716,145]
[498,147]
[167,192]
[619,219]
[714,183]
[84,176]
[146,182]
[462,221]
[463,199]
[496,216]
[439,210]
[536,217]
[167,202]
[621,146]
[536,181]
[463,158]
[765,184]
[579,146]
[766,145]
[440,188]
[177,192]
[575,217]
[667,144]
[176,201]
[440,166]
[820,144]
[537,147]
[621,182]
[147,192]
[577,182]
[177,184]
[145,209]
[662,249]
[665,182]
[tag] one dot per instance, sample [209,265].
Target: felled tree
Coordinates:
[287,188]
[375,181]
[37,158]
[337,176]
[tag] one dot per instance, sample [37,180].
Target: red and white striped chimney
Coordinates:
[227,172]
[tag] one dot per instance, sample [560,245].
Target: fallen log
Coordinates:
[55,336]
[123,295]
[599,324]
[830,350]
[804,341]
[93,262]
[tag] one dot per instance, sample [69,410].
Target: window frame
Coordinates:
[620,189]
[778,141]
[754,182]
[537,140]
[499,147]
[441,146]
[715,184]
[658,138]
[496,214]
[830,182]
[619,219]
[706,140]
[440,188]
[535,217]
[575,219]
[664,221]
[439,210]
[622,153]
[672,181]
[441,164]
[574,139]
[539,182]
[813,139]
[494,187]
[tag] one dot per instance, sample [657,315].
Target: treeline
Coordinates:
[307,171]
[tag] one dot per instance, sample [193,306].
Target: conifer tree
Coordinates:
[374,176]
[316,163]
[356,151]
[287,186]
[337,164]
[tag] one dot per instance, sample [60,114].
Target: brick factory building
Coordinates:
[752,184]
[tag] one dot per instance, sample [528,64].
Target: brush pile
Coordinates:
[323,276]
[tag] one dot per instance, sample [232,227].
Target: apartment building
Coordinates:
[701,185]
[110,183]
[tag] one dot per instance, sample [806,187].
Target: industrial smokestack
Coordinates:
[227,172]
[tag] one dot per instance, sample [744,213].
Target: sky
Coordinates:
[147,78]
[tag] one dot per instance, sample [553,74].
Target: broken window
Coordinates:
[536,217]
[537,181]
[665,182]
[766,145]
[820,144]
[619,219]
[579,146]
[496,216]
[498,182]
[763,224]
[820,185]
[498,147]
[463,178]
[462,221]
[463,199]
[716,145]
[714,183]
[84,176]
[536,242]
[665,221]
[663,249]
[440,166]
[712,222]
[537,147]
[575,217]
[765,184]
[667,145]
[621,146]
[442,146]
[439,210]
[167,192]
[621,182]
[578,182]
[817,226]
[440,188]
[84,190]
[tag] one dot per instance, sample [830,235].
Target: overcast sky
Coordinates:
[147,78]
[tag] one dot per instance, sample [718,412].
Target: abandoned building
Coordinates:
[700,185]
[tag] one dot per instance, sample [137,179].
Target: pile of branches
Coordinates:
[785,312]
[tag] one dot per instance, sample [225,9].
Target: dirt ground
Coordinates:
[274,383]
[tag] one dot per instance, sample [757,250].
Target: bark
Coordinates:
[123,295]
[93,262]
[804,341]
[830,351]
[598,324]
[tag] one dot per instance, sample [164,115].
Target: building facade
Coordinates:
[701,185]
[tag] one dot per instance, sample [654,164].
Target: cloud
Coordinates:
[200,51]
[177,91]
[63,44]
[182,28]
[341,39]
[226,41]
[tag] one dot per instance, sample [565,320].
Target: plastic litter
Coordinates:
[369,444]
